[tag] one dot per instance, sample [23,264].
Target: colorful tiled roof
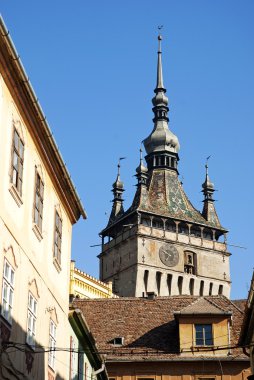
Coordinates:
[165,197]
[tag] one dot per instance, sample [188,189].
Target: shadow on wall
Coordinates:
[18,360]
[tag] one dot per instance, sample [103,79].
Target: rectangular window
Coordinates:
[204,336]
[52,344]
[17,162]
[7,291]
[31,319]
[38,201]
[58,237]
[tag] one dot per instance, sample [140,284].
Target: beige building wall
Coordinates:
[125,259]
[28,250]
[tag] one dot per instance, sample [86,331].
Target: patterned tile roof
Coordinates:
[165,196]
[149,327]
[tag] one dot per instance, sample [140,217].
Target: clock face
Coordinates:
[169,255]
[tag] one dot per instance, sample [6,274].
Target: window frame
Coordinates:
[18,168]
[38,195]
[52,344]
[8,295]
[57,245]
[207,336]
[31,319]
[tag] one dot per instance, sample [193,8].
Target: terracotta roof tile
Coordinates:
[203,306]
[148,326]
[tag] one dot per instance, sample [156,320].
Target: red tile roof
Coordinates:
[148,327]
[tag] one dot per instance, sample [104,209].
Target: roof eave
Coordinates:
[64,182]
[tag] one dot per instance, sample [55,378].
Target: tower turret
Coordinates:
[209,212]
[118,189]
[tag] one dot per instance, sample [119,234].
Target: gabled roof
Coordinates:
[149,327]
[203,306]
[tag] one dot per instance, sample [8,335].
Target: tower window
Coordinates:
[146,275]
[210,288]
[158,281]
[169,283]
[183,229]
[191,286]
[201,289]
[146,222]
[180,284]
[189,262]
[220,292]
[207,234]
[157,223]
[170,226]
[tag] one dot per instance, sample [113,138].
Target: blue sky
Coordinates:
[93,68]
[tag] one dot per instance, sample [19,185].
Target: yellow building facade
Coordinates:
[82,285]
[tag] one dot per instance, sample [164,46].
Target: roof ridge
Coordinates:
[232,303]
[214,304]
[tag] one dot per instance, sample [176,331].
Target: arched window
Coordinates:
[146,275]
[220,292]
[180,284]
[191,286]
[157,223]
[158,282]
[169,283]
[183,228]
[170,225]
[210,289]
[201,289]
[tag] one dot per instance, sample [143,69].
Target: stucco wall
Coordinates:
[30,253]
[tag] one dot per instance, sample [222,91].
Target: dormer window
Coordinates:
[203,335]
[119,341]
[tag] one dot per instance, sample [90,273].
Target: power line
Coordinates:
[42,350]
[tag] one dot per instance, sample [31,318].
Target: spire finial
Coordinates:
[159,38]
[119,166]
[159,84]
[206,166]
[141,155]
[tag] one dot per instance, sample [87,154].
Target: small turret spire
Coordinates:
[118,189]
[209,212]
[208,186]
[141,170]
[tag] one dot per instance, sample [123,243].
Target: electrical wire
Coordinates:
[23,347]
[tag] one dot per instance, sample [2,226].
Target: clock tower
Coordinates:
[162,244]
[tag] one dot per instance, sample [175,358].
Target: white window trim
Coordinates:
[52,344]
[8,284]
[31,320]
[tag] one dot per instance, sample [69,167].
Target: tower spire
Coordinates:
[159,84]
[161,145]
